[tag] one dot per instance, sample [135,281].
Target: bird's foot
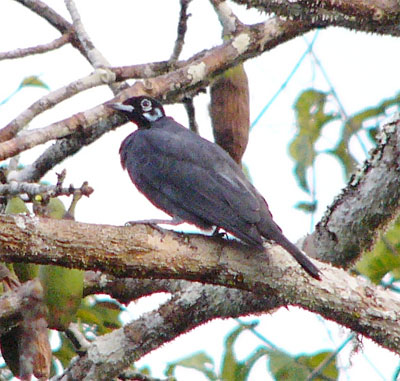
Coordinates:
[217,233]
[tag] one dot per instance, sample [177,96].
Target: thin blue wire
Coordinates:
[10,96]
[265,108]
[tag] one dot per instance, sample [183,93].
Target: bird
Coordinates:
[194,180]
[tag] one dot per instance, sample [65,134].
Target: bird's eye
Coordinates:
[146,105]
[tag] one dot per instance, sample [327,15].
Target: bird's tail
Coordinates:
[299,256]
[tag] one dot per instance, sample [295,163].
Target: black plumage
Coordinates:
[194,180]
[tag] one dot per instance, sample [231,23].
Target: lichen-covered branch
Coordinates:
[97,78]
[143,252]
[94,56]
[363,15]
[229,21]
[32,189]
[194,74]
[39,49]
[365,207]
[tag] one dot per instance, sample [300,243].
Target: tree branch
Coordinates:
[144,252]
[54,19]
[15,301]
[33,189]
[39,49]
[182,28]
[230,23]
[97,78]
[111,353]
[195,74]
[364,15]
[368,204]
[94,56]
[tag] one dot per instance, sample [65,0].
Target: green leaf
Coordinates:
[66,351]
[199,361]
[33,80]
[308,207]
[62,301]
[250,361]
[352,126]
[290,368]
[104,314]
[231,368]
[310,119]
[285,367]
[384,258]
[24,271]
[314,361]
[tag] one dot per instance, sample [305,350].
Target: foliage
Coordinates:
[384,258]
[312,118]
[281,365]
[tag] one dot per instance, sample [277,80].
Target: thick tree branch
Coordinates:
[127,289]
[364,15]
[143,252]
[365,207]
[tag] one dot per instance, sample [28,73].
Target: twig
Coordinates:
[230,23]
[77,338]
[94,55]
[189,106]
[97,78]
[195,73]
[54,19]
[44,48]
[182,28]
[135,375]
[33,189]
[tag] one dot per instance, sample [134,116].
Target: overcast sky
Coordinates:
[362,68]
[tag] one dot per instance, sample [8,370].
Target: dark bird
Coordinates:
[194,180]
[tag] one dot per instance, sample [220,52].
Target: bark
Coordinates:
[112,353]
[144,252]
[364,209]
[364,15]
[240,281]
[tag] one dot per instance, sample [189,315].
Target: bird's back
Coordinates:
[194,179]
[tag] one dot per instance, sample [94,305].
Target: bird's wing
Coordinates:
[199,177]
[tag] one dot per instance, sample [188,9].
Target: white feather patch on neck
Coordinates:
[153,115]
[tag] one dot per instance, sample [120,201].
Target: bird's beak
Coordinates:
[121,107]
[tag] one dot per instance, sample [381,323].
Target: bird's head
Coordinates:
[140,110]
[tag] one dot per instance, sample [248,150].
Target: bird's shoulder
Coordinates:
[168,138]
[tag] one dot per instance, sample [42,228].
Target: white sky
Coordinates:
[363,69]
